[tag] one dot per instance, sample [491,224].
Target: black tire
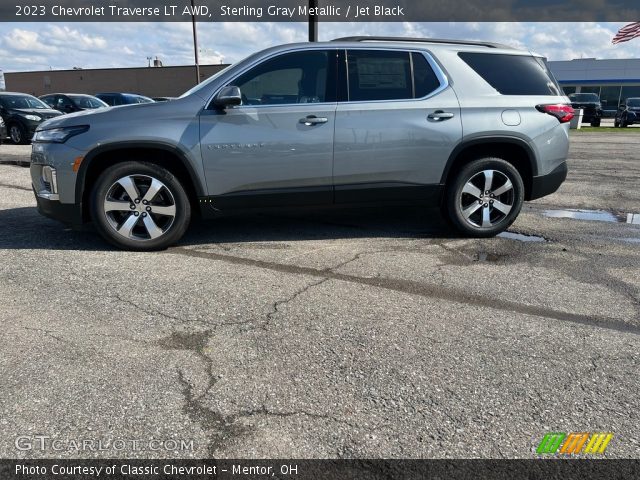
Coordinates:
[595,123]
[17,134]
[616,123]
[458,200]
[170,197]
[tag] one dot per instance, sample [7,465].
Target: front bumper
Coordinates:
[68,213]
[544,185]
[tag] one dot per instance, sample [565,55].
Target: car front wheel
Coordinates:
[485,197]
[140,206]
[17,134]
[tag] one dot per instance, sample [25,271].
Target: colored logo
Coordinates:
[574,443]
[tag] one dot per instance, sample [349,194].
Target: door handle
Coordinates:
[313,120]
[440,115]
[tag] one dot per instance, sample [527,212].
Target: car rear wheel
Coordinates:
[595,123]
[485,197]
[17,134]
[140,206]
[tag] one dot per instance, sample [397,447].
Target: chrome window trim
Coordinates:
[437,69]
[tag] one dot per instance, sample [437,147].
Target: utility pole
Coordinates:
[313,21]
[195,41]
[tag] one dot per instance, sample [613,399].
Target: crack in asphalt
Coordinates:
[277,304]
[420,289]
[15,187]
[51,334]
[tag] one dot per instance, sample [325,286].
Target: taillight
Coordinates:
[564,113]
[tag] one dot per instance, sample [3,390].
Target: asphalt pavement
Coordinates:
[371,334]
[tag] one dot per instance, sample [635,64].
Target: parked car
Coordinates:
[628,113]
[22,113]
[347,122]
[115,99]
[72,102]
[591,107]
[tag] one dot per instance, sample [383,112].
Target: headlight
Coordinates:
[33,118]
[58,135]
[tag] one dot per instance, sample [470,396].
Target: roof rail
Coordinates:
[365,38]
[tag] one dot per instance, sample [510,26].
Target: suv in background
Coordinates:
[628,113]
[591,106]
[72,102]
[115,99]
[21,114]
[476,128]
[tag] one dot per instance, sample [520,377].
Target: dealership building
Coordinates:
[613,80]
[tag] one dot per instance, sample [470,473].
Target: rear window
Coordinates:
[513,74]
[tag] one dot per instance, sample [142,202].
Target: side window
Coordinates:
[63,103]
[299,77]
[379,75]
[49,101]
[425,79]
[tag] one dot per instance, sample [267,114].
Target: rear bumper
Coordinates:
[68,213]
[544,185]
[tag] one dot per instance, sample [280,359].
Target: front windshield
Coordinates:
[22,101]
[584,97]
[633,102]
[83,101]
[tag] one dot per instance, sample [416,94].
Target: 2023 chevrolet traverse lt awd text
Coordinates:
[476,128]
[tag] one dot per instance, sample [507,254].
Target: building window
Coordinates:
[630,91]
[610,97]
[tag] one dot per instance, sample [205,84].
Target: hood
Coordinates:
[145,112]
[44,113]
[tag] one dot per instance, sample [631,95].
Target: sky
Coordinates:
[40,46]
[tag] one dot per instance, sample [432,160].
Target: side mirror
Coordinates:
[228,96]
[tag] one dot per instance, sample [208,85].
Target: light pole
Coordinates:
[313,21]
[195,41]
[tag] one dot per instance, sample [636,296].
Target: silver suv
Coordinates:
[474,127]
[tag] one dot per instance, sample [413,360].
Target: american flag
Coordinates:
[627,32]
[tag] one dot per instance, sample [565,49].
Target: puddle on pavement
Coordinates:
[486,257]
[594,215]
[521,237]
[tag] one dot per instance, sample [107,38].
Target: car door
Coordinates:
[276,148]
[397,129]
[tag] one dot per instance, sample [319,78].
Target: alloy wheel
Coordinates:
[139,207]
[16,134]
[487,198]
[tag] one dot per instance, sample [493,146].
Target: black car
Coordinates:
[22,113]
[591,107]
[628,113]
[72,102]
[115,99]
